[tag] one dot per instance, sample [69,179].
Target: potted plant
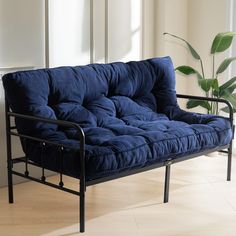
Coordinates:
[211,85]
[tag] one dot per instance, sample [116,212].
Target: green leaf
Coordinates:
[215,85]
[227,84]
[226,109]
[207,84]
[222,41]
[227,91]
[223,88]
[223,66]
[231,98]
[230,89]
[188,70]
[196,103]
[191,49]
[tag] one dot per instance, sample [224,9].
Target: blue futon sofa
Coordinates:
[104,121]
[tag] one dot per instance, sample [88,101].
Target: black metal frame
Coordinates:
[11,131]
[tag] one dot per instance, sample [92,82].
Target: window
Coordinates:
[82,31]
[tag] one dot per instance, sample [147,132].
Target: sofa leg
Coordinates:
[229,165]
[10,186]
[9,153]
[82,212]
[82,202]
[167,184]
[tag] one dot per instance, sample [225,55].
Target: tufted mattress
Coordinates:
[128,111]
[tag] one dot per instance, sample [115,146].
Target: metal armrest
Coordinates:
[50,121]
[45,141]
[220,100]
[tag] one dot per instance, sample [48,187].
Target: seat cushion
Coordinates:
[135,140]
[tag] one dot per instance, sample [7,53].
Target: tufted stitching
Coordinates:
[123,151]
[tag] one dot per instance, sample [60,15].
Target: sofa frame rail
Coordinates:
[83,183]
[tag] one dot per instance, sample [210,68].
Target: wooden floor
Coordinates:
[201,203]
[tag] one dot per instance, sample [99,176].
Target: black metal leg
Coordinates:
[9,154]
[229,166]
[10,185]
[167,184]
[82,183]
[82,212]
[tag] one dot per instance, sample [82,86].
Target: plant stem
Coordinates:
[211,102]
[203,75]
[217,104]
[213,66]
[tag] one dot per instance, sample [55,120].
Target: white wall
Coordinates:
[99,31]
[148,29]
[21,33]
[233,28]
[206,19]
[172,17]
[197,21]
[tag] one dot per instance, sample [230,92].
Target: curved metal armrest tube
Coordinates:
[50,121]
[220,100]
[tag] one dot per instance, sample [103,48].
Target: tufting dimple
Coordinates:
[75,113]
[102,106]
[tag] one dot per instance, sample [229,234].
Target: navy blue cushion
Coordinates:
[128,111]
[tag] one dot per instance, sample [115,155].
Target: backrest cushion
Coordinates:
[89,94]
